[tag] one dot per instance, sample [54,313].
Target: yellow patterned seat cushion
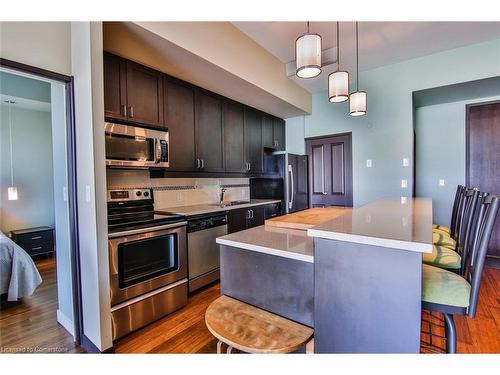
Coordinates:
[444,287]
[441,228]
[440,239]
[443,257]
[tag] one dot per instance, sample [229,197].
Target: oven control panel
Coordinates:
[129,195]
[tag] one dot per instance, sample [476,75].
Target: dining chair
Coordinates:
[451,294]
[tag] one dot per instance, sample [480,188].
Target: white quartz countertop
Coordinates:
[200,209]
[288,243]
[399,223]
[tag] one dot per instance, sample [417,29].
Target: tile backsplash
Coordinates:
[175,192]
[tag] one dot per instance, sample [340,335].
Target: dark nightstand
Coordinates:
[35,241]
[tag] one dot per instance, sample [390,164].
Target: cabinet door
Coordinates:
[209,132]
[257,216]
[279,134]
[115,87]
[234,145]
[253,140]
[272,210]
[237,220]
[179,119]
[267,132]
[144,95]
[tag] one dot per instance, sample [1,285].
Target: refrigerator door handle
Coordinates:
[290,202]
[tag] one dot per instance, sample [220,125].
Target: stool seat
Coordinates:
[253,330]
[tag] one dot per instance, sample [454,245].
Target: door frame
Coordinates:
[467,135]
[68,81]
[310,189]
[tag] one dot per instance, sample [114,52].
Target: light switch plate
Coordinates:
[87,193]
[406,162]
[441,182]
[404,184]
[368,163]
[404,200]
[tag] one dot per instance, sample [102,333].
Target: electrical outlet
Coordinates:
[368,219]
[368,163]
[406,162]
[441,182]
[180,196]
[404,184]
[87,193]
[404,200]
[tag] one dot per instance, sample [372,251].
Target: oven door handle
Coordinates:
[146,230]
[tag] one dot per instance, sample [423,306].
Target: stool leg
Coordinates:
[229,349]
[451,334]
[310,346]
[219,347]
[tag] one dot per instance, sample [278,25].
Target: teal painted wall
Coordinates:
[385,134]
[440,135]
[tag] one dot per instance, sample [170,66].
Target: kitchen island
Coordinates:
[355,279]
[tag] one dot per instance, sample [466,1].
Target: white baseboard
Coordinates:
[66,322]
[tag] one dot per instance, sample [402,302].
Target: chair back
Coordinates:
[454,210]
[486,220]
[458,213]
[463,241]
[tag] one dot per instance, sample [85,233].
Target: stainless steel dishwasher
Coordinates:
[203,251]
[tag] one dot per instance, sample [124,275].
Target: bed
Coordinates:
[19,276]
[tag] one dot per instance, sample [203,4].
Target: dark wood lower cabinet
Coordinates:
[246,218]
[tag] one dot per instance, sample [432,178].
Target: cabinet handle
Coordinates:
[202,163]
[131,111]
[124,110]
[197,163]
[36,248]
[249,166]
[36,237]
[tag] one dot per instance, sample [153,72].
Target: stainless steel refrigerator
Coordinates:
[288,182]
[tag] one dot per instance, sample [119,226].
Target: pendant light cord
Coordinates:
[10,140]
[338,46]
[357,59]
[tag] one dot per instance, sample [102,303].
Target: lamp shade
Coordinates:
[357,103]
[12,193]
[308,55]
[338,86]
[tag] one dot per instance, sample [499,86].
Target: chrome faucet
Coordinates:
[221,200]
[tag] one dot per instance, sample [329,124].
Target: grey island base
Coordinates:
[355,279]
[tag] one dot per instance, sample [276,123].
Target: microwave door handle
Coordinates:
[157,151]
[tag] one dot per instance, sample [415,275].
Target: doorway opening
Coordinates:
[40,308]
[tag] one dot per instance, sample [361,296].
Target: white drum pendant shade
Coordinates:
[338,86]
[308,55]
[357,103]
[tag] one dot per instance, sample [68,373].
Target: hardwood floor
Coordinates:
[32,323]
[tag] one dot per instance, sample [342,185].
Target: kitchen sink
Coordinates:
[232,203]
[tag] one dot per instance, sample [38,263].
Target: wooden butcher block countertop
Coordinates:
[307,218]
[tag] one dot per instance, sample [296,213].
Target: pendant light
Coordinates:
[12,190]
[357,100]
[338,81]
[308,54]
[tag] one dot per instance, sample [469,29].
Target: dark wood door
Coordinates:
[144,95]
[483,157]
[253,140]
[257,216]
[234,137]
[279,134]
[330,163]
[209,132]
[267,132]
[237,220]
[115,87]
[179,119]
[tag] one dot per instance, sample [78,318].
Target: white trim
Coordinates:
[66,322]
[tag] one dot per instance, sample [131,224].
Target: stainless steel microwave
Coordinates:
[134,147]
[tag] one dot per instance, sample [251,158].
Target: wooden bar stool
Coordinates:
[253,330]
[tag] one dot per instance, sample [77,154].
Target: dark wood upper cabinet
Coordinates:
[267,132]
[234,139]
[253,140]
[115,87]
[179,119]
[209,132]
[279,134]
[144,95]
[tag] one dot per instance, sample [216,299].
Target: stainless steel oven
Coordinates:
[147,261]
[135,147]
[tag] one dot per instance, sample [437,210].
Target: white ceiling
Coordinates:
[380,43]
